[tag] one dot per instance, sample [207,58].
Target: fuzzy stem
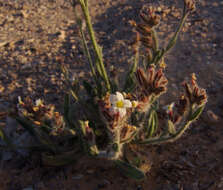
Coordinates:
[65,73]
[175,36]
[173,40]
[94,42]
[155,39]
[87,53]
[172,138]
[129,77]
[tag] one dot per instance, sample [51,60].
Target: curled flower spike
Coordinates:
[150,84]
[147,41]
[28,108]
[182,105]
[194,93]
[149,17]
[143,29]
[175,111]
[41,114]
[190,5]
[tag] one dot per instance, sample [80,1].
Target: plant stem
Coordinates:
[175,36]
[65,73]
[94,42]
[172,138]
[155,39]
[173,40]
[87,53]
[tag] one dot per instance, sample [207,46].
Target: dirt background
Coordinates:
[34,32]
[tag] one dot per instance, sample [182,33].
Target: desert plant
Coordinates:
[105,118]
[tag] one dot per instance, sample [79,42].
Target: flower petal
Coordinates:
[113,99]
[113,110]
[39,102]
[119,96]
[122,112]
[127,104]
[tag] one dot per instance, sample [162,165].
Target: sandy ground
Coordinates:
[34,33]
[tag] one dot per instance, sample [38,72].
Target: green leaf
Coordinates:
[152,123]
[28,126]
[130,82]
[2,134]
[156,121]
[93,149]
[171,127]
[197,113]
[114,85]
[66,105]
[88,88]
[129,170]
[45,140]
[5,138]
[39,135]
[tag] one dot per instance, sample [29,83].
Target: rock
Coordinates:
[79,176]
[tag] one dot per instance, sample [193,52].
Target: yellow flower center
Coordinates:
[35,108]
[120,104]
[134,104]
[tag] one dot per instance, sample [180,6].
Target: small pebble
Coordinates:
[79,176]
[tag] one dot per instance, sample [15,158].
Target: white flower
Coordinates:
[119,104]
[39,102]
[20,100]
